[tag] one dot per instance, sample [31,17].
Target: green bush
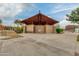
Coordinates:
[78,38]
[59,30]
[62,30]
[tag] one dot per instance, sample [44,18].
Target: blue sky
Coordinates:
[10,12]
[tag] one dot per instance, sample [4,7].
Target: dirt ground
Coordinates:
[35,44]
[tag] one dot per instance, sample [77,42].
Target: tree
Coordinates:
[74,16]
[18,22]
[20,26]
[0,21]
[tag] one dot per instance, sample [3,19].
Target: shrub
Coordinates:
[78,38]
[59,30]
[62,30]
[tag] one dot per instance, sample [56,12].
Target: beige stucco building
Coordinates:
[39,23]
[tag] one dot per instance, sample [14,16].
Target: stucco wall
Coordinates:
[29,28]
[49,28]
[8,33]
[40,28]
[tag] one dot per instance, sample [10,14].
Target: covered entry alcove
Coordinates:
[40,23]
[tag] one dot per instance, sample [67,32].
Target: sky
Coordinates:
[9,12]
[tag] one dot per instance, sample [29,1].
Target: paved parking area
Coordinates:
[35,44]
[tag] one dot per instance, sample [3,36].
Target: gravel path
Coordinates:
[40,45]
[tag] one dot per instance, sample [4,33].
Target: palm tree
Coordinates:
[18,23]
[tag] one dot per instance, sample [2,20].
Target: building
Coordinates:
[2,27]
[72,28]
[39,23]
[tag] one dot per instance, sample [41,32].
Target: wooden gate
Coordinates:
[49,28]
[39,29]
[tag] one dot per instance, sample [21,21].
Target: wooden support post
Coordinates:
[44,28]
[34,29]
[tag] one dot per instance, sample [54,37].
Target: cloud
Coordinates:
[58,6]
[13,9]
[62,8]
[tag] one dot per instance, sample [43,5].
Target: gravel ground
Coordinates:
[40,45]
